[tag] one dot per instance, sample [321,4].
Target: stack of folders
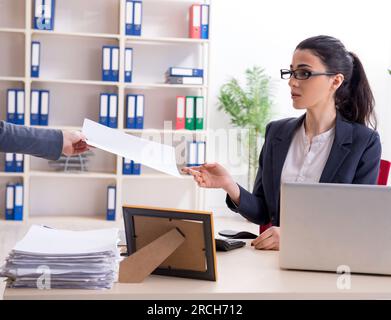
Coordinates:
[44,14]
[14,202]
[111,203]
[75,163]
[199,21]
[135,111]
[190,113]
[133,18]
[61,259]
[196,153]
[131,167]
[108,110]
[190,76]
[110,64]
[14,162]
[15,106]
[35,58]
[39,111]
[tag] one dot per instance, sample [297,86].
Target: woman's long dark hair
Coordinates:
[354,98]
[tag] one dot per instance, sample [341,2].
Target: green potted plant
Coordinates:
[249,107]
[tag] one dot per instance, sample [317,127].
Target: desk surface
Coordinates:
[243,273]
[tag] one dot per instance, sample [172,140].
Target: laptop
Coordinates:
[334,227]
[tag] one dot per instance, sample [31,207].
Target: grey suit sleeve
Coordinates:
[44,143]
[368,168]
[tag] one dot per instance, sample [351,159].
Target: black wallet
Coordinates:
[228,244]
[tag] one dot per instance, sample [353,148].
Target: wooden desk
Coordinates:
[244,273]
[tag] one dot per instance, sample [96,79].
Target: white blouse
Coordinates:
[305,162]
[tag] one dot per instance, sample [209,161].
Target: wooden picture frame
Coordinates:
[193,256]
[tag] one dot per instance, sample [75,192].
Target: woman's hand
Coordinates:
[214,175]
[268,240]
[210,175]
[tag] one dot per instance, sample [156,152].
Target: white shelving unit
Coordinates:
[71,70]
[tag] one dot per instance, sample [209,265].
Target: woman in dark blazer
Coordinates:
[330,143]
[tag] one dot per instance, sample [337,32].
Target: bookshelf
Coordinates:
[71,71]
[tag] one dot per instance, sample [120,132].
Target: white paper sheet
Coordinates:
[157,156]
[43,240]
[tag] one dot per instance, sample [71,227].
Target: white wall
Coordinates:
[250,32]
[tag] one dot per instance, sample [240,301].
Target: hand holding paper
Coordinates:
[73,143]
[152,154]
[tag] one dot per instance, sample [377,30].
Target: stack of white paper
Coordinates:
[48,258]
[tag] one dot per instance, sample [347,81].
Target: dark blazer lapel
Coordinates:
[280,147]
[339,150]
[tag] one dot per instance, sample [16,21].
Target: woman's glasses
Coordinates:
[302,74]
